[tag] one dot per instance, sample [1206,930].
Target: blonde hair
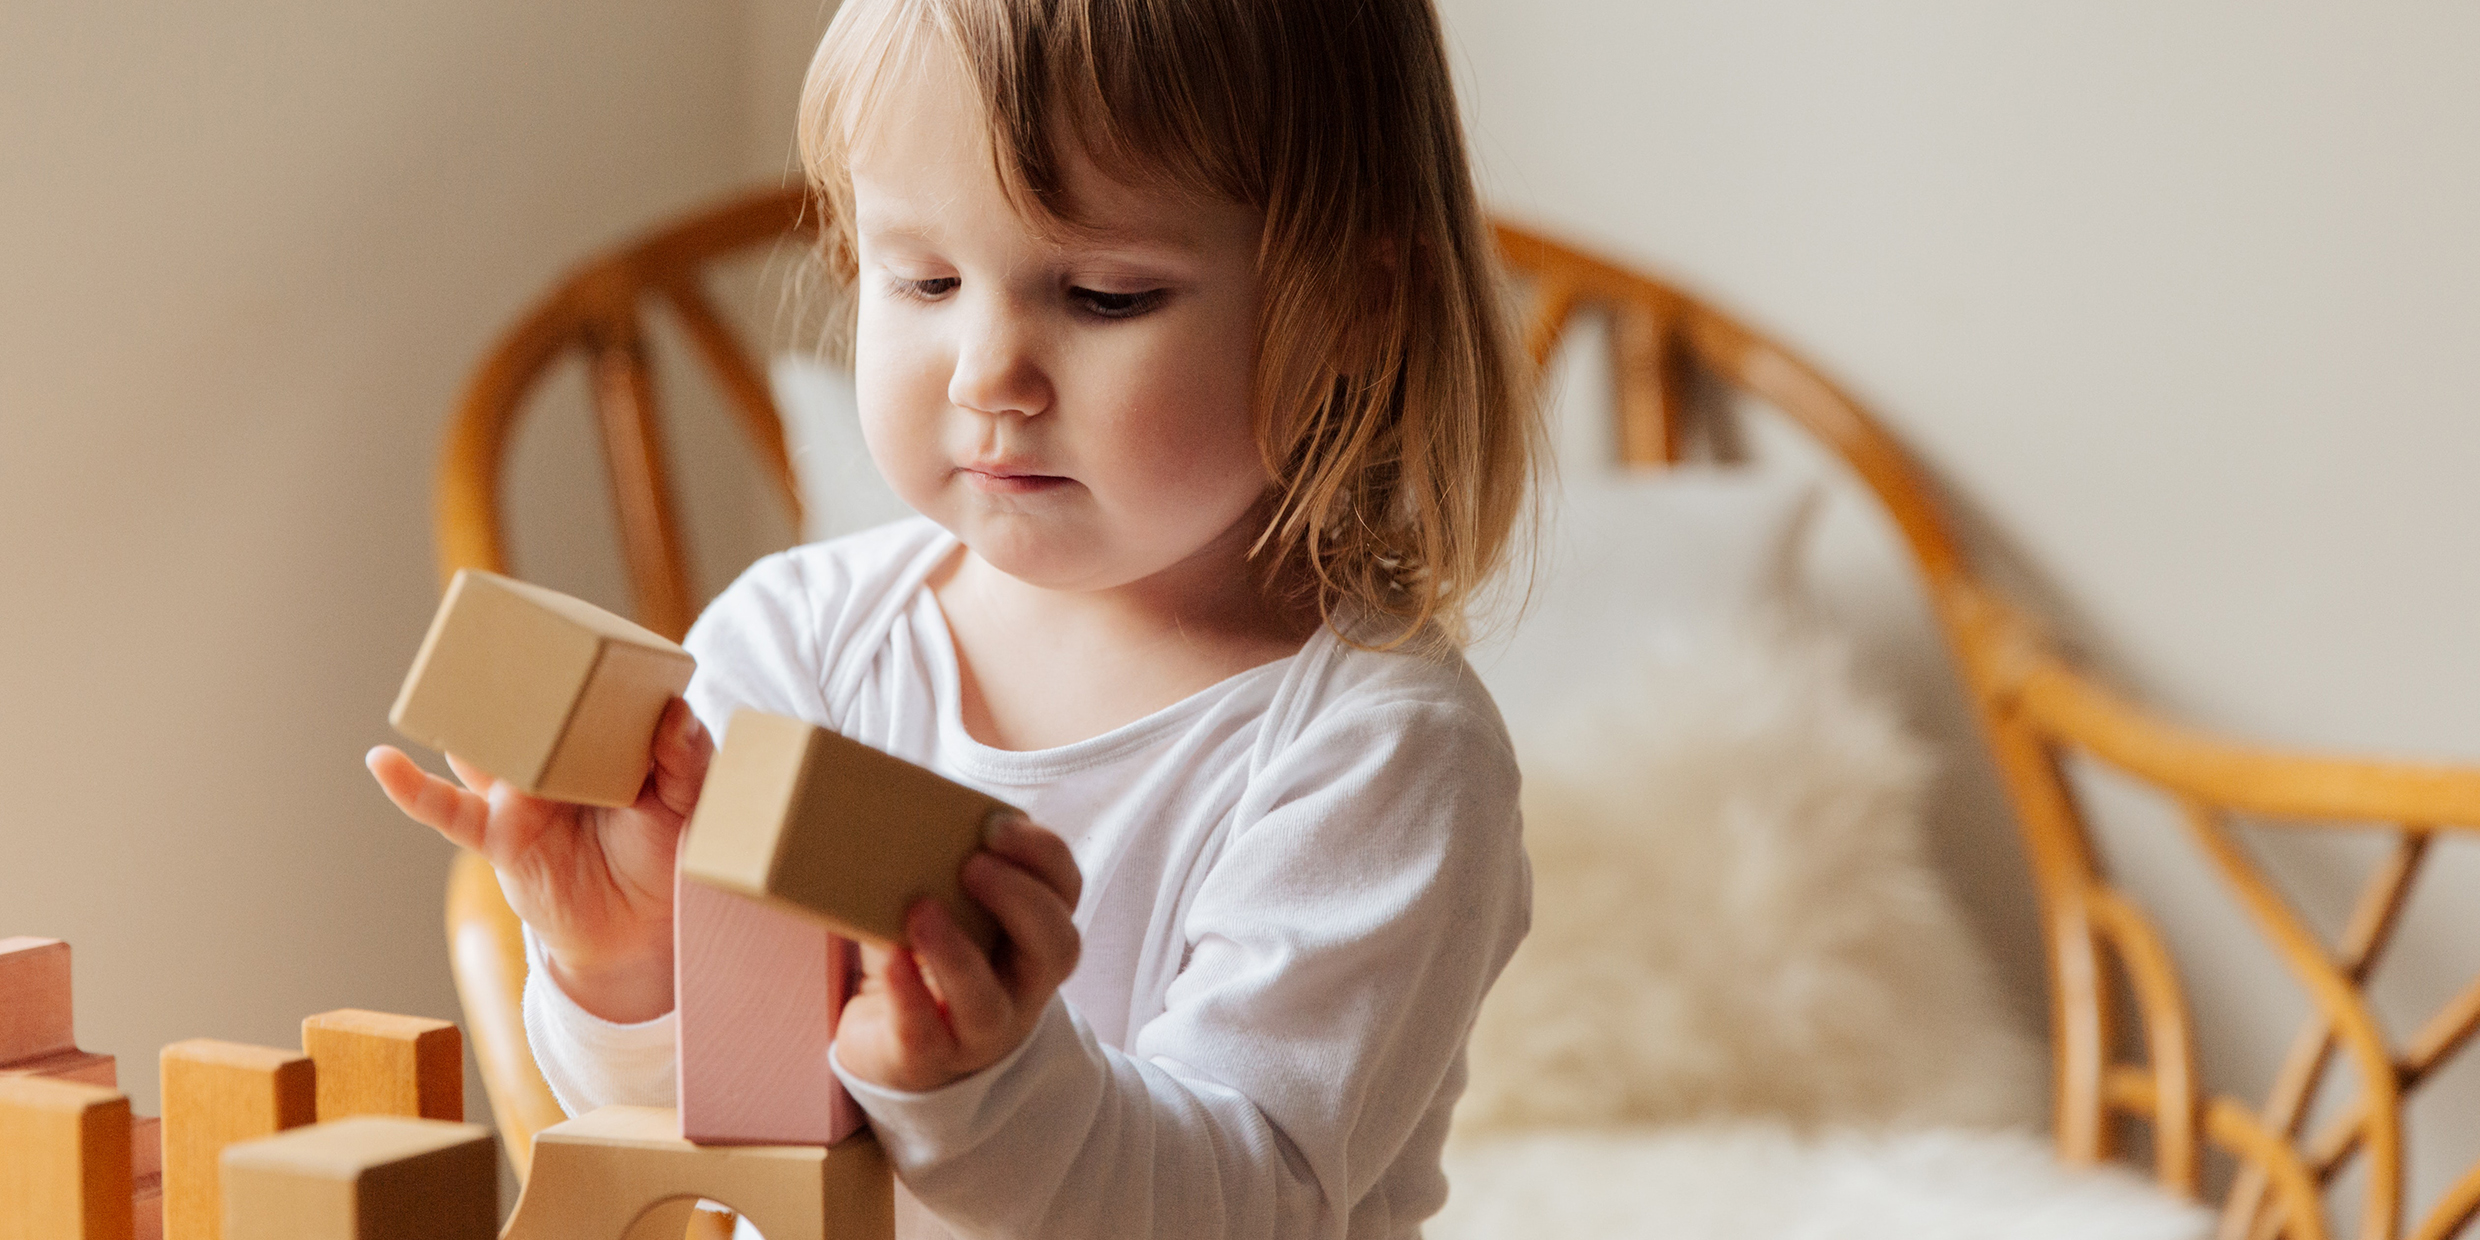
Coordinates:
[1393,415]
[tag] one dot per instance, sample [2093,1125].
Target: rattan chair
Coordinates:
[2109,968]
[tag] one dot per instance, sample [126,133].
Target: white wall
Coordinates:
[247,253]
[2178,299]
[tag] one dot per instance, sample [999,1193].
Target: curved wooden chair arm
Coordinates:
[487,953]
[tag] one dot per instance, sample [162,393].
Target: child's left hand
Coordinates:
[940,1011]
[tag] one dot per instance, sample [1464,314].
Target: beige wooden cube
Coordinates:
[369,1177]
[550,693]
[804,817]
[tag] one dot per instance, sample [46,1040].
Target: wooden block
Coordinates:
[372,1063]
[146,1177]
[595,1175]
[38,1030]
[550,693]
[64,1161]
[217,1093]
[83,1067]
[814,820]
[368,1177]
[758,990]
[35,1016]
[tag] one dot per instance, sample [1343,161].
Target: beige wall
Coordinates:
[2181,299]
[247,252]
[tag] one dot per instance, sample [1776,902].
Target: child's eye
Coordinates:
[1116,305]
[925,290]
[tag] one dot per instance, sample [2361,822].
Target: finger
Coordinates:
[1041,930]
[913,1014]
[1038,850]
[682,750]
[473,777]
[978,1007]
[427,799]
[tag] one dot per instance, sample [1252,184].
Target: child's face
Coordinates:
[1075,408]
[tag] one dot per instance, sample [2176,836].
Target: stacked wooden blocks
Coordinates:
[802,841]
[75,1165]
[512,678]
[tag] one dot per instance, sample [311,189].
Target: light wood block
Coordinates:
[814,820]
[64,1161]
[595,1175]
[215,1094]
[374,1063]
[550,693]
[758,990]
[367,1177]
[38,1023]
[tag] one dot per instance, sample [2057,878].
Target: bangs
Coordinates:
[1154,95]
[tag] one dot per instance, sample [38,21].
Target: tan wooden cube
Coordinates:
[64,1160]
[215,1095]
[548,692]
[368,1177]
[376,1063]
[805,817]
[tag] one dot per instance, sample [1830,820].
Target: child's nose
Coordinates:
[997,367]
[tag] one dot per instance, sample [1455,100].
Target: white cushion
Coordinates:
[841,491]
[1628,560]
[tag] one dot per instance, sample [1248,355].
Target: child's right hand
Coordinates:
[595,884]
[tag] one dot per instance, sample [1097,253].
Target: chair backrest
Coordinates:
[2108,964]
[598,312]
[2039,714]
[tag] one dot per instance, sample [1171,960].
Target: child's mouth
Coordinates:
[1013,484]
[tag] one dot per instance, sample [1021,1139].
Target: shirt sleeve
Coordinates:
[588,1061]
[1339,949]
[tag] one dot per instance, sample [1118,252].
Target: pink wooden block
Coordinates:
[758,990]
[35,1019]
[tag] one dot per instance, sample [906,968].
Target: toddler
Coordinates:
[1175,321]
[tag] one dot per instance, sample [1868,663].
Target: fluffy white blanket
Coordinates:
[1736,942]
[1761,1182]
[1731,912]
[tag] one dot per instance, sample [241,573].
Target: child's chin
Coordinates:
[1036,553]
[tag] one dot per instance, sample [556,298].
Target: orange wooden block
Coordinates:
[373,1063]
[817,821]
[758,990]
[217,1093]
[38,1030]
[595,1175]
[550,693]
[369,1177]
[64,1161]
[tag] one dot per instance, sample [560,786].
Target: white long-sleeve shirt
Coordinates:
[1298,885]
